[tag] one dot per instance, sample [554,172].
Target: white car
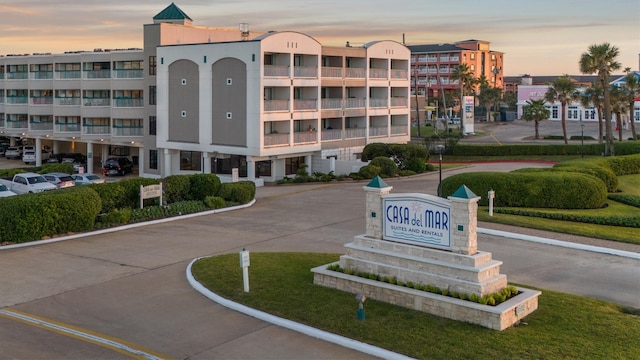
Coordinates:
[13,152]
[85,179]
[29,156]
[4,192]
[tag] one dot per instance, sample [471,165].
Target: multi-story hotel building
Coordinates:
[198,99]
[432,65]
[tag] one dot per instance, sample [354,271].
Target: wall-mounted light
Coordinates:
[101,139]
[133,142]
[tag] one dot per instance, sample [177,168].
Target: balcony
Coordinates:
[305,72]
[48,100]
[17,75]
[124,130]
[432,59]
[378,103]
[97,102]
[276,139]
[354,133]
[17,99]
[331,104]
[332,72]
[17,124]
[276,105]
[331,135]
[276,70]
[67,127]
[399,101]
[444,58]
[128,103]
[378,131]
[400,74]
[378,73]
[1,99]
[97,74]
[67,75]
[355,103]
[128,74]
[73,101]
[41,126]
[96,130]
[300,137]
[399,130]
[41,75]
[355,73]
[305,104]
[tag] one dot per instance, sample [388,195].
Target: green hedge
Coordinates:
[559,190]
[618,165]
[31,217]
[630,221]
[605,175]
[176,188]
[239,192]
[203,185]
[621,148]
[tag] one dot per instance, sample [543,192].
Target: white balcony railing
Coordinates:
[378,73]
[378,131]
[305,104]
[275,70]
[355,103]
[305,137]
[354,133]
[331,104]
[355,73]
[331,135]
[276,105]
[276,139]
[332,72]
[305,71]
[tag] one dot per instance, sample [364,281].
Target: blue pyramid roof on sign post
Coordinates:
[464,192]
[377,182]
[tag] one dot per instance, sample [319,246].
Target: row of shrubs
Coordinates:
[621,148]
[628,221]
[83,208]
[490,299]
[632,200]
[572,184]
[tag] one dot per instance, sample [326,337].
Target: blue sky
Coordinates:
[540,37]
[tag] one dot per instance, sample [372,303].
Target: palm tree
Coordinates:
[631,92]
[464,75]
[563,90]
[618,106]
[535,110]
[593,96]
[601,59]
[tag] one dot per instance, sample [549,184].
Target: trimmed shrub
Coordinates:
[132,191]
[203,185]
[214,202]
[374,150]
[558,190]
[368,172]
[49,168]
[238,192]
[31,217]
[176,188]
[406,154]
[621,148]
[111,194]
[417,165]
[117,217]
[387,166]
[605,175]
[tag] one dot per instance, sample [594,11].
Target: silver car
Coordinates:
[61,180]
[85,179]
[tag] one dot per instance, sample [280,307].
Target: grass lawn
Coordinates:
[564,327]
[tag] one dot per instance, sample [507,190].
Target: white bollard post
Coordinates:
[492,194]
[244,263]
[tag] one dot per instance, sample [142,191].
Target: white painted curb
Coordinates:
[291,325]
[559,243]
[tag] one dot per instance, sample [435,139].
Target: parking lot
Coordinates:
[17,163]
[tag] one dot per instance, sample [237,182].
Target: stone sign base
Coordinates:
[497,317]
[475,274]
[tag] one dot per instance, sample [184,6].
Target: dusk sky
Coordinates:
[540,37]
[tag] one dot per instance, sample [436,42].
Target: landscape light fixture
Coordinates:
[360,298]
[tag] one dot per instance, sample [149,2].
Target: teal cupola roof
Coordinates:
[377,183]
[464,192]
[172,14]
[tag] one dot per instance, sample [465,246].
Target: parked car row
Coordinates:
[29,182]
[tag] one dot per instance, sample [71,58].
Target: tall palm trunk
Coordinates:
[619,125]
[537,133]
[599,124]
[632,120]
[607,118]
[564,122]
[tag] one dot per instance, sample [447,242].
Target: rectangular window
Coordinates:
[152,125]
[153,159]
[190,160]
[293,164]
[554,112]
[153,65]
[152,95]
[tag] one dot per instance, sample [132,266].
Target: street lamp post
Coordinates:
[440,148]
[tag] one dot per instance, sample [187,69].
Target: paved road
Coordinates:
[130,286]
